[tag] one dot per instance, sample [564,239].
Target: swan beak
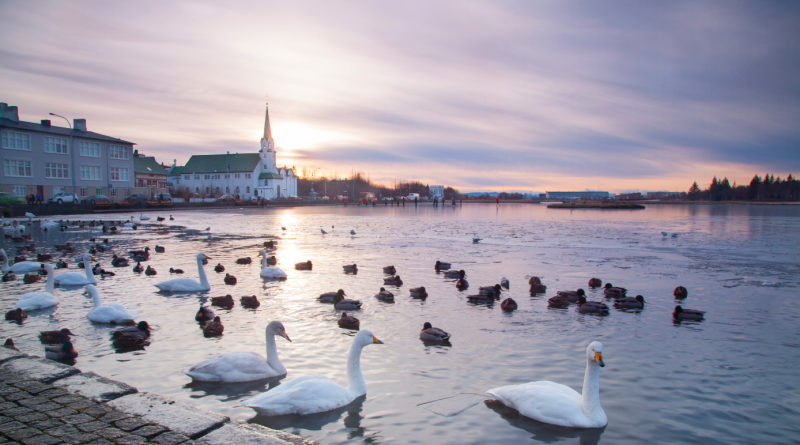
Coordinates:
[375,340]
[598,356]
[93,259]
[286,336]
[207,257]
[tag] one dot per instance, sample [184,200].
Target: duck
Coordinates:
[9,344]
[393,281]
[630,303]
[224,302]
[140,253]
[177,271]
[573,295]
[9,276]
[441,266]
[204,314]
[455,274]
[429,333]
[269,244]
[508,305]
[188,284]
[138,268]
[385,295]
[340,303]
[76,278]
[230,280]
[43,257]
[679,314]
[462,284]
[39,300]
[558,302]
[171,218]
[142,329]
[63,351]
[352,232]
[481,298]
[595,282]
[119,261]
[250,302]
[350,268]
[348,322]
[246,260]
[31,278]
[16,314]
[315,393]
[680,293]
[110,313]
[122,340]
[504,282]
[213,328]
[536,286]
[243,366]
[160,218]
[21,267]
[389,270]
[272,260]
[592,307]
[304,266]
[557,404]
[150,271]
[271,272]
[219,268]
[418,292]
[159,249]
[143,217]
[614,292]
[493,291]
[52,337]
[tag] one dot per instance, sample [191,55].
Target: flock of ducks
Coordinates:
[543,401]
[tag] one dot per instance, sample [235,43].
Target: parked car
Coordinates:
[326,198]
[139,199]
[96,200]
[63,198]
[293,198]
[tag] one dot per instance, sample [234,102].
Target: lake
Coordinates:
[732,378]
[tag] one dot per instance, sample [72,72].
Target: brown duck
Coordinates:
[225,302]
[250,302]
[348,322]
[213,328]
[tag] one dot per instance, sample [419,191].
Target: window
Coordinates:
[227,176]
[248,189]
[13,167]
[218,190]
[117,152]
[236,176]
[237,190]
[187,177]
[55,145]
[207,191]
[119,174]
[197,189]
[217,177]
[90,149]
[112,192]
[15,141]
[247,176]
[56,171]
[127,192]
[84,192]
[227,190]
[20,190]
[90,172]
[205,176]
[196,177]
[266,182]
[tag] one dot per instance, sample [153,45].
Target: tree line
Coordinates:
[769,188]
[359,182]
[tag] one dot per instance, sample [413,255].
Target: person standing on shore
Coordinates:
[498,201]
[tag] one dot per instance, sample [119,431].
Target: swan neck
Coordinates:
[272,355]
[202,273]
[591,389]
[355,380]
[96,299]
[51,278]
[88,268]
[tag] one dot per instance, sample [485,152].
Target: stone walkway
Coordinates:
[44,402]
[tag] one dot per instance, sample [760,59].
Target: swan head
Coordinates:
[365,338]
[202,256]
[276,328]
[87,258]
[594,353]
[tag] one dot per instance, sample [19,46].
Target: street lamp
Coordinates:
[72,157]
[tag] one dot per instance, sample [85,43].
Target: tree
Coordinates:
[694,191]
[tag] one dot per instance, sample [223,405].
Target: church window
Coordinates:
[227,190]
[237,190]
[207,190]
[248,189]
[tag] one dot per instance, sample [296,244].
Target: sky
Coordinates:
[502,95]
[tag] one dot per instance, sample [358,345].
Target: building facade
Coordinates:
[436,191]
[149,174]
[577,195]
[248,175]
[41,158]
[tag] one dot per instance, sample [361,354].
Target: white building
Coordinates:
[437,191]
[244,174]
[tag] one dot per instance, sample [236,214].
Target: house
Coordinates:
[149,174]
[248,175]
[436,191]
[45,159]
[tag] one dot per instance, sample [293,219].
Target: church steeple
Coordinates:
[267,144]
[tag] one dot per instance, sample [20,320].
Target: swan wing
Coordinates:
[180,284]
[303,395]
[232,367]
[546,402]
[272,272]
[36,300]
[25,266]
[106,314]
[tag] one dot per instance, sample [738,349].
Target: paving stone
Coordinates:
[4,440]
[66,400]
[131,440]
[32,386]
[33,401]
[46,424]
[100,442]
[97,410]
[62,430]
[46,407]
[8,426]
[41,439]
[42,370]
[22,433]
[27,418]
[53,393]
[19,395]
[170,438]
[8,389]
[4,419]
[63,412]
[18,411]
[113,416]
[74,439]
[82,405]
[129,424]
[177,416]
[243,433]
[7,405]
[90,427]
[111,433]
[150,431]
[77,419]
[95,387]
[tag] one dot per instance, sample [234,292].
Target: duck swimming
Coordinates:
[16,315]
[230,280]
[246,260]
[250,302]
[204,314]
[138,268]
[385,295]
[328,297]
[348,322]
[390,270]
[614,292]
[630,303]
[51,337]
[455,274]
[63,351]
[142,329]
[224,302]
[340,303]
[504,282]
[592,307]
[122,340]
[680,293]
[304,266]
[219,268]
[573,295]
[177,271]
[559,302]
[685,314]
[508,305]
[429,333]
[462,284]
[150,271]
[536,286]
[418,292]
[393,281]
[493,291]
[350,268]
[441,266]
[595,282]
[213,328]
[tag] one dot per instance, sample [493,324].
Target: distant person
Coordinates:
[415,201]
[39,199]
[498,201]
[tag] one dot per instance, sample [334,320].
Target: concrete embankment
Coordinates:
[43,402]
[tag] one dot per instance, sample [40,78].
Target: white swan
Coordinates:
[316,393]
[11,230]
[557,404]
[243,366]
[21,267]
[77,278]
[39,300]
[142,217]
[268,271]
[129,223]
[109,313]
[47,224]
[188,284]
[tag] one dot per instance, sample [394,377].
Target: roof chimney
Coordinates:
[46,122]
[79,124]
[11,113]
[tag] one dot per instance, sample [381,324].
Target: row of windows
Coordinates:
[227,190]
[52,170]
[21,141]
[215,176]
[22,190]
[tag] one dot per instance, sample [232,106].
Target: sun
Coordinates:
[296,135]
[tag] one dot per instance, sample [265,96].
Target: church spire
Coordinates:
[267,129]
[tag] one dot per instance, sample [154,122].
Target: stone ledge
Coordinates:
[40,369]
[95,387]
[10,354]
[177,416]
[243,433]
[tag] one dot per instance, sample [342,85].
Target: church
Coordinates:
[249,175]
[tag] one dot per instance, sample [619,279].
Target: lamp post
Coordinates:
[72,157]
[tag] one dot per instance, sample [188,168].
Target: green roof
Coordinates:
[239,162]
[270,176]
[176,171]
[147,165]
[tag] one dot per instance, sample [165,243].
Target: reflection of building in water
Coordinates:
[577,195]
[244,174]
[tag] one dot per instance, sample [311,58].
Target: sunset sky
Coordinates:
[528,95]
